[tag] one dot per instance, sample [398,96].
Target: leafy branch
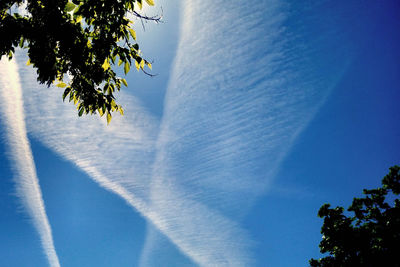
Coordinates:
[83,40]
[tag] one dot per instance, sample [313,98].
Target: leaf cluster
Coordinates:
[371,237]
[74,44]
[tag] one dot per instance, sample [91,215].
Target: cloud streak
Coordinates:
[131,143]
[241,91]
[26,180]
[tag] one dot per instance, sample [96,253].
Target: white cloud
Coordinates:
[239,94]
[119,157]
[241,91]
[26,180]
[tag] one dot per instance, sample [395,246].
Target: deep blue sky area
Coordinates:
[87,207]
[348,146]
[222,160]
[19,241]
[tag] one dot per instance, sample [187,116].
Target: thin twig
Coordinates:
[147,73]
[156,18]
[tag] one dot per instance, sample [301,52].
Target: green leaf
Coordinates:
[133,33]
[139,3]
[113,104]
[124,82]
[110,89]
[150,2]
[28,62]
[66,92]
[77,8]
[61,85]
[108,117]
[127,67]
[75,99]
[121,111]
[106,64]
[69,7]
[21,42]
[81,112]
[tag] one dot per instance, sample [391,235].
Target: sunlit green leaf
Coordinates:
[124,82]
[127,67]
[133,33]
[113,104]
[106,64]
[150,2]
[69,7]
[139,3]
[108,117]
[21,42]
[61,85]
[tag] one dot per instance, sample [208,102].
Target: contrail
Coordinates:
[241,91]
[26,180]
[130,143]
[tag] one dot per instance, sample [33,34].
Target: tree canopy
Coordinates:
[371,237]
[77,45]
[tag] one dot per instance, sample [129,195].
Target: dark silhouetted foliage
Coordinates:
[74,44]
[371,237]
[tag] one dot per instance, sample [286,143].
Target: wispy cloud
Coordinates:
[242,89]
[215,129]
[240,93]
[26,180]
[120,158]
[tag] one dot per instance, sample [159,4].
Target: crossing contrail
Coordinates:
[240,93]
[27,183]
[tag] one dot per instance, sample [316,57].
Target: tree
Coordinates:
[369,238]
[75,45]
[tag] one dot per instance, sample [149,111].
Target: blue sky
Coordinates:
[260,114]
